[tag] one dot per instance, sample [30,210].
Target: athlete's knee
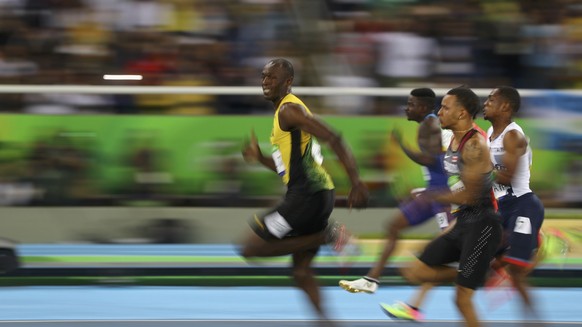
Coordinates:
[518,273]
[252,246]
[302,273]
[250,252]
[498,263]
[392,231]
[395,226]
[463,298]
[413,273]
[409,274]
[247,251]
[461,303]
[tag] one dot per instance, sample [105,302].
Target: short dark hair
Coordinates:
[426,96]
[285,64]
[423,92]
[467,98]
[511,95]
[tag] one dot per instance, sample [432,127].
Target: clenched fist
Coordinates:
[359,196]
[251,151]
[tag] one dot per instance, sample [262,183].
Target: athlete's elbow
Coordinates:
[427,162]
[503,179]
[335,140]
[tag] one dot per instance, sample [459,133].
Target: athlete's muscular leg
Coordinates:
[255,246]
[306,281]
[419,272]
[392,234]
[519,279]
[420,296]
[464,302]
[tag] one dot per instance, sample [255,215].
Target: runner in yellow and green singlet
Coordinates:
[299,224]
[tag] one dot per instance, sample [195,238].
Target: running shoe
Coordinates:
[498,288]
[402,311]
[338,236]
[361,285]
[343,243]
[498,277]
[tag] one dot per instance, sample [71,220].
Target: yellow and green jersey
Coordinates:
[297,155]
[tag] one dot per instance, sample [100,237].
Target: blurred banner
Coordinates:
[196,160]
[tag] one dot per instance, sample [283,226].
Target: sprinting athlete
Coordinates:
[411,309]
[521,210]
[420,108]
[299,225]
[476,235]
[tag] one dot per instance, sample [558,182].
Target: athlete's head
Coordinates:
[459,104]
[420,103]
[277,77]
[502,101]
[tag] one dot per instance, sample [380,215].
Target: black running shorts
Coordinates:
[298,214]
[472,244]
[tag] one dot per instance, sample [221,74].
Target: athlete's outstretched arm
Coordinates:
[421,158]
[430,136]
[515,145]
[252,153]
[292,116]
[476,163]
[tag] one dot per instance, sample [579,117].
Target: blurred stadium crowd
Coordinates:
[482,43]
[529,44]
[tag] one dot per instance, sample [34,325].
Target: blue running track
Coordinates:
[133,306]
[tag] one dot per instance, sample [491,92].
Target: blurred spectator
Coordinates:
[57,168]
[544,37]
[144,15]
[190,71]
[67,103]
[406,55]
[526,43]
[573,38]
[150,176]
[339,43]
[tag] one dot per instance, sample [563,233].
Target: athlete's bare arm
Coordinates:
[515,145]
[429,149]
[292,116]
[476,163]
[430,136]
[252,153]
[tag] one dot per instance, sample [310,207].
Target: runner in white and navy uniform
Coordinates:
[521,210]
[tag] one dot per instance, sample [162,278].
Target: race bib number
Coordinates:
[277,225]
[442,220]
[455,185]
[278,159]
[500,190]
[425,173]
[522,225]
